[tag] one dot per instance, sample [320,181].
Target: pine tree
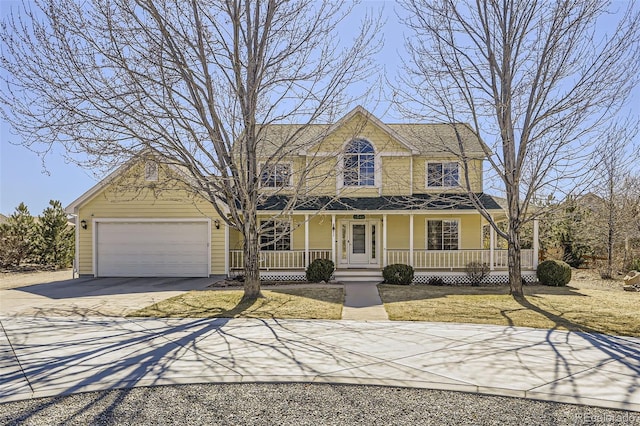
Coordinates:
[17,237]
[55,237]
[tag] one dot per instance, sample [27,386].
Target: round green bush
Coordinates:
[554,272]
[398,274]
[320,270]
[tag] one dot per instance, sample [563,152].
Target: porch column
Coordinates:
[411,239]
[306,241]
[536,244]
[226,248]
[492,243]
[384,240]
[333,239]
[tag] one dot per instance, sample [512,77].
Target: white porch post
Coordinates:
[306,240]
[536,243]
[333,239]
[384,240]
[492,243]
[410,239]
[226,249]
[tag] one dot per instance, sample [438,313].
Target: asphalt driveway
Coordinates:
[59,295]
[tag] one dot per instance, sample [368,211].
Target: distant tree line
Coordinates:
[600,227]
[45,240]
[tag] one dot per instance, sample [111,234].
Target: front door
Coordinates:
[359,251]
[359,243]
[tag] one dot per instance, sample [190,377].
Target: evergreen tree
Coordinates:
[55,237]
[17,237]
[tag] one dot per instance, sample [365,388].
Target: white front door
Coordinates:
[359,250]
[359,243]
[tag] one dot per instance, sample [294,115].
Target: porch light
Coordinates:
[216,223]
[83,223]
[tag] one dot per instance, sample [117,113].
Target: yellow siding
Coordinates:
[398,232]
[396,176]
[320,232]
[354,191]
[471,231]
[321,179]
[117,202]
[235,239]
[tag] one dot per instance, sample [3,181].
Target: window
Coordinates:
[275,176]
[276,235]
[442,235]
[151,170]
[359,164]
[442,175]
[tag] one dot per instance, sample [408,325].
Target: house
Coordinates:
[374,194]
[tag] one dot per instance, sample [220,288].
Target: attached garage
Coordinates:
[152,248]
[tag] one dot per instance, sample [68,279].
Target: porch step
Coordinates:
[354,275]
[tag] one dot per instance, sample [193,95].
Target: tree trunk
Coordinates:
[610,237]
[513,258]
[251,261]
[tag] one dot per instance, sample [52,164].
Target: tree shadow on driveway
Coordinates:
[86,287]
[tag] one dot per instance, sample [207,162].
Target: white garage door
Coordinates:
[152,249]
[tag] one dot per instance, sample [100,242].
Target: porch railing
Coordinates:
[455,259]
[422,259]
[289,259]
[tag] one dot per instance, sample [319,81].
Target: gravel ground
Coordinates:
[299,404]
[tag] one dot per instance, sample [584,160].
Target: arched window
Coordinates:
[359,164]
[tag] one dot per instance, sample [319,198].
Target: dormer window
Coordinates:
[151,171]
[443,175]
[275,175]
[359,164]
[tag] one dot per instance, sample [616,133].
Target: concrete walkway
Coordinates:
[362,302]
[61,355]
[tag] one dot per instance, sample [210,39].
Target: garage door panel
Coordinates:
[177,249]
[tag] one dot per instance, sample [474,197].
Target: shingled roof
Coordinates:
[421,138]
[410,203]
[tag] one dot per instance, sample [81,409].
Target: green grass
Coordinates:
[569,308]
[303,303]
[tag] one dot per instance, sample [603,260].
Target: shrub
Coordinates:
[554,272]
[320,270]
[476,271]
[635,264]
[398,274]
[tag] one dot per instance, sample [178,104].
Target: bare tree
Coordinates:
[195,84]
[536,80]
[613,172]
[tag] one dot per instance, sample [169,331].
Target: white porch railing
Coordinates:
[422,259]
[284,259]
[456,259]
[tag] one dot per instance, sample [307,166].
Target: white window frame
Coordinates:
[442,219]
[376,165]
[443,186]
[289,222]
[289,183]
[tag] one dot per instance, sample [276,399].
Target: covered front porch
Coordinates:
[433,243]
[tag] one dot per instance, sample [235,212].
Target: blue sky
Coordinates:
[24,177]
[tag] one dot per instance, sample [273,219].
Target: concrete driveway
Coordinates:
[56,294]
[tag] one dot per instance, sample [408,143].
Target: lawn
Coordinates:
[582,306]
[303,303]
